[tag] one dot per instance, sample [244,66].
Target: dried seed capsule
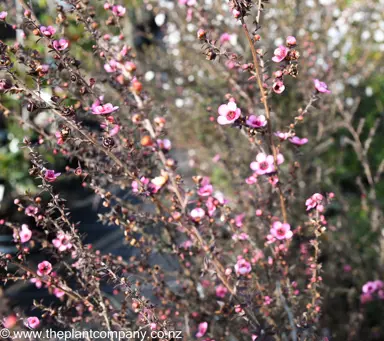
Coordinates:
[108,142]
[68,111]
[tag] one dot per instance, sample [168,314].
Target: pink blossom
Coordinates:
[225,37]
[37,282]
[280,53]
[264,164]
[48,31]
[202,329]
[298,141]
[314,201]
[321,86]
[33,322]
[164,144]
[118,10]
[50,175]
[60,44]
[242,267]
[239,220]
[197,214]
[369,287]
[9,321]
[221,291]
[206,189]
[58,293]
[267,300]
[3,15]
[256,121]
[135,184]
[103,109]
[31,210]
[281,230]
[251,180]
[291,41]
[210,203]
[229,113]
[282,136]
[278,86]
[25,234]
[62,241]
[44,268]
[236,14]
[111,66]
[115,129]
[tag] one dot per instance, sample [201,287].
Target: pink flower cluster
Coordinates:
[315,201]
[372,289]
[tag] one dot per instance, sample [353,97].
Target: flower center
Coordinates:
[231,115]
[263,165]
[280,232]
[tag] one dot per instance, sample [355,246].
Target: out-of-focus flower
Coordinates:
[31,210]
[242,267]
[48,31]
[298,141]
[321,86]
[103,109]
[291,41]
[44,268]
[278,86]
[25,234]
[256,121]
[202,329]
[221,291]
[50,175]
[3,15]
[33,322]
[197,214]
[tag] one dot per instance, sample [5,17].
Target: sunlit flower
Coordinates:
[280,54]
[229,113]
[119,10]
[298,141]
[33,322]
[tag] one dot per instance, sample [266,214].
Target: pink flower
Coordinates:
[135,184]
[62,241]
[210,203]
[224,38]
[369,287]
[3,15]
[58,293]
[291,41]
[60,44]
[282,136]
[280,53]
[50,175]
[251,180]
[44,268]
[9,321]
[239,220]
[33,322]
[111,66]
[264,164]
[257,121]
[321,86]
[298,141]
[314,201]
[197,214]
[267,300]
[48,31]
[221,291]
[25,234]
[236,14]
[206,189]
[37,282]
[118,10]
[242,267]
[229,113]
[31,210]
[164,144]
[202,329]
[103,109]
[278,86]
[281,230]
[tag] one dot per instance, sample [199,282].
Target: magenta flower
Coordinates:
[31,210]
[111,66]
[372,287]
[267,300]
[60,44]
[298,141]
[278,86]
[33,322]
[281,230]
[25,234]
[264,164]
[256,121]
[202,329]
[321,86]
[221,291]
[44,268]
[211,206]
[103,109]
[229,113]
[239,220]
[291,41]
[3,15]
[118,10]
[314,201]
[197,214]
[206,189]
[280,54]
[242,267]
[50,175]
[62,241]
[48,31]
